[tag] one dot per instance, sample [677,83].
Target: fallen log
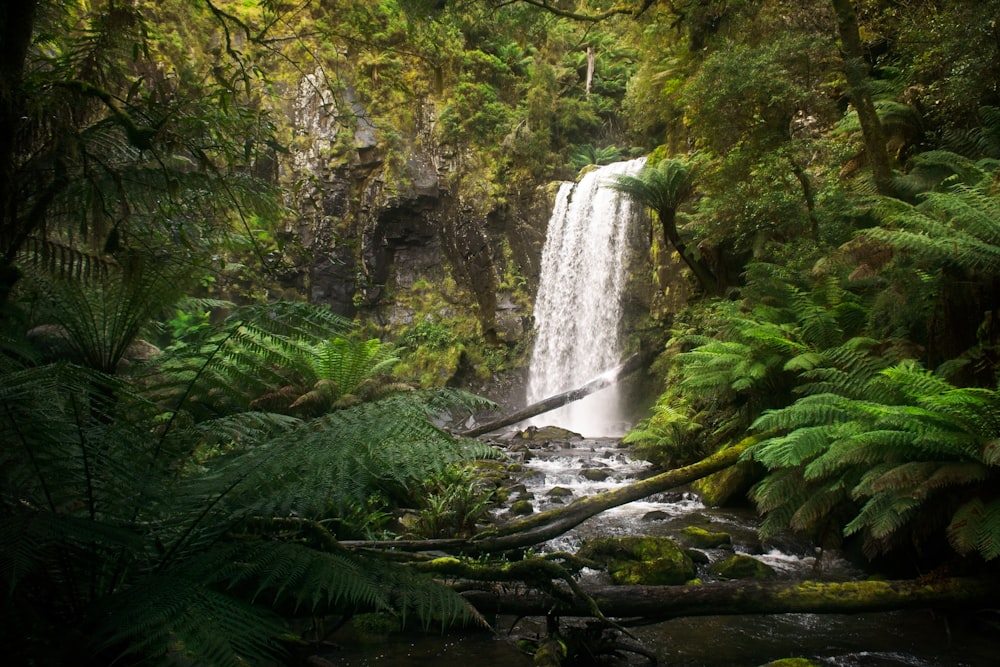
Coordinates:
[537,528]
[633,363]
[660,603]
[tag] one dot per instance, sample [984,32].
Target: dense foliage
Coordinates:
[828,170]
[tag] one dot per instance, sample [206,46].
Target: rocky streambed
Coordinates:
[674,538]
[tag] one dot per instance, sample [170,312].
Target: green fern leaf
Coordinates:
[975,526]
[165,617]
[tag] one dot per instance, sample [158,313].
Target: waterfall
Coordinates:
[578,309]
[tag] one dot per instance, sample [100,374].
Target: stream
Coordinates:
[912,638]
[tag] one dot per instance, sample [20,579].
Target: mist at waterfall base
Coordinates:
[579,306]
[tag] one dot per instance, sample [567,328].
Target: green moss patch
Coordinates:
[634,560]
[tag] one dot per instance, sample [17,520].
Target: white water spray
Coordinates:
[578,309]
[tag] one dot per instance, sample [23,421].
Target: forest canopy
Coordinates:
[190,435]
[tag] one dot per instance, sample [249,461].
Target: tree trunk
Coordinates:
[633,363]
[543,526]
[17,21]
[709,282]
[742,597]
[856,72]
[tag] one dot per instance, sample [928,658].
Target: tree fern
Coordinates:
[895,458]
[663,188]
[96,319]
[336,372]
[959,227]
[254,351]
[167,533]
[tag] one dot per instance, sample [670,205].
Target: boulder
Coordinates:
[700,538]
[522,508]
[743,567]
[641,560]
[595,474]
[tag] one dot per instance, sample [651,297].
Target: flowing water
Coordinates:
[578,309]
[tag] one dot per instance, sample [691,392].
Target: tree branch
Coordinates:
[590,18]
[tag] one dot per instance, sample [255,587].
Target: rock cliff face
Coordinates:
[380,212]
[387,214]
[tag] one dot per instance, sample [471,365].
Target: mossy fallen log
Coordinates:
[653,603]
[633,363]
[543,526]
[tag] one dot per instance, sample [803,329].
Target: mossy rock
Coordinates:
[518,489]
[595,474]
[559,492]
[743,567]
[641,559]
[522,508]
[791,662]
[699,538]
[548,433]
[698,557]
[374,628]
[732,482]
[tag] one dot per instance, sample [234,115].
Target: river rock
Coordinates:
[559,492]
[743,567]
[641,559]
[548,433]
[595,474]
[521,508]
[698,557]
[726,485]
[694,536]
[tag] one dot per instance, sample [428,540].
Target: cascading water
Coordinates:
[578,309]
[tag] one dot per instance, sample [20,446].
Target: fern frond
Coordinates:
[807,411]
[280,571]
[165,617]
[990,452]
[342,458]
[794,449]
[288,573]
[916,381]
[950,475]
[64,261]
[779,495]
[883,515]
[819,505]
[958,227]
[975,526]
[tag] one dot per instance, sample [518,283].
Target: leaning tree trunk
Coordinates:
[856,72]
[552,402]
[655,603]
[538,528]
[702,273]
